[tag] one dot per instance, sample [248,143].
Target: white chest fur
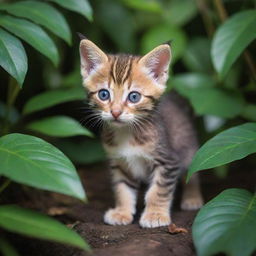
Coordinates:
[135,156]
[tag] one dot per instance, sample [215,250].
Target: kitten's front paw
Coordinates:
[193,203]
[117,216]
[154,219]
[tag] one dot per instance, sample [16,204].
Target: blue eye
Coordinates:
[104,94]
[134,97]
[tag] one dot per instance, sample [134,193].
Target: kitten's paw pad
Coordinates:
[118,217]
[154,220]
[194,203]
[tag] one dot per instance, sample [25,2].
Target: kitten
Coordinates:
[148,137]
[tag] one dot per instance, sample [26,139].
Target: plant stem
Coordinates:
[5,185]
[204,11]
[222,12]
[13,90]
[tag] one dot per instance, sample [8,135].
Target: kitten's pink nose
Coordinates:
[116,113]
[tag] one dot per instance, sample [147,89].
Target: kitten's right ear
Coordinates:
[92,57]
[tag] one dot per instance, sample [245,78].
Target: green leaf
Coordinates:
[42,14]
[144,5]
[6,248]
[227,224]
[32,34]
[227,146]
[180,12]
[59,126]
[52,98]
[84,151]
[109,14]
[26,222]
[162,33]
[197,55]
[249,112]
[82,7]
[199,89]
[13,57]
[231,39]
[32,161]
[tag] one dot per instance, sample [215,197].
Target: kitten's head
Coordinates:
[123,89]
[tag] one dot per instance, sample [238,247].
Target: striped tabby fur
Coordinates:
[150,140]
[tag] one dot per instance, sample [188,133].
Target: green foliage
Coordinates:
[231,39]
[230,145]
[42,14]
[30,223]
[32,34]
[12,56]
[58,126]
[227,224]
[52,98]
[6,248]
[29,160]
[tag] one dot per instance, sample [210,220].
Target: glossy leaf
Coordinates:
[42,14]
[203,96]
[227,224]
[179,12]
[13,57]
[58,126]
[52,98]
[26,222]
[6,248]
[162,33]
[227,146]
[32,34]
[32,161]
[82,7]
[231,39]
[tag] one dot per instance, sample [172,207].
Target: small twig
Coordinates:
[5,185]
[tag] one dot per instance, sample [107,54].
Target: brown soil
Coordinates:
[130,240]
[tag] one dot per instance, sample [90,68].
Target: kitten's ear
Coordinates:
[156,63]
[92,57]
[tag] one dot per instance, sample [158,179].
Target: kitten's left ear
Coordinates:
[92,57]
[156,63]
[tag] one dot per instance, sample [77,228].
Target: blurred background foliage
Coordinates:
[132,26]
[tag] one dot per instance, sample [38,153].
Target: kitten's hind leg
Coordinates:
[191,197]
[125,190]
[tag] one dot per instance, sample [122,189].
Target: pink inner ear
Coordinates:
[161,59]
[88,61]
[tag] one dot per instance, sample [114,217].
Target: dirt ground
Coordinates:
[106,240]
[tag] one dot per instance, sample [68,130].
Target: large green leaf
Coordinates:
[32,34]
[43,14]
[34,162]
[6,248]
[231,39]
[51,98]
[205,98]
[178,12]
[227,224]
[30,223]
[13,57]
[80,6]
[59,126]
[228,146]
[162,33]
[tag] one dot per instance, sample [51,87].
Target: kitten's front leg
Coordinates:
[125,189]
[159,197]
